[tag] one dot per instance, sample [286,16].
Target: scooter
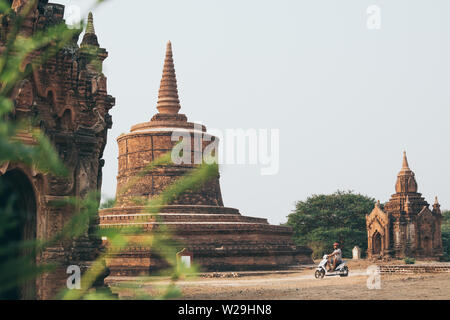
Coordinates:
[321,271]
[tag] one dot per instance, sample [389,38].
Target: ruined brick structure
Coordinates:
[67,96]
[415,269]
[218,237]
[405,227]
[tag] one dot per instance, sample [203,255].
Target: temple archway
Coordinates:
[18,208]
[376,243]
[427,246]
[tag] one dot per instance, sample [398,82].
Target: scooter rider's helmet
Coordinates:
[336,244]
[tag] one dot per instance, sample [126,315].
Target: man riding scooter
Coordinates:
[336,266]
[335,258]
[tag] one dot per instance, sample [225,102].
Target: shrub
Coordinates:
[409,260]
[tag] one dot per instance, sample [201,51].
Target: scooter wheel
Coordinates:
[319,274]
[345,273]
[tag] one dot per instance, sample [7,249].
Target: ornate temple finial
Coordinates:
[90,38]
[405,165]
[406,181]
[90,24]
[168,101]
[405,161]
[436,206]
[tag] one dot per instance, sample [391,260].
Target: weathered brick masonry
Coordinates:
[413,269]
[67,96]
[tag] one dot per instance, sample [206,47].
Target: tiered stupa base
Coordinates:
[220,239]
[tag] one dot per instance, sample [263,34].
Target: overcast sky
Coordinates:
[347,100]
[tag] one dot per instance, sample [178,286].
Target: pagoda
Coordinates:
[405,227]
[218,238]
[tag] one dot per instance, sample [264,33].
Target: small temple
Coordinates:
[218,238]
[405,227]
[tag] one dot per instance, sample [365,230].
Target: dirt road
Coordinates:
[300,287]
[303,286]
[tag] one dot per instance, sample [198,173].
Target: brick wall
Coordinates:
[412,269]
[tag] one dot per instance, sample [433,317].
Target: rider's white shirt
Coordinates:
[338,254]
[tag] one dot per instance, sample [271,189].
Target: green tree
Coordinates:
[446,234]
[109,203]
[323,219]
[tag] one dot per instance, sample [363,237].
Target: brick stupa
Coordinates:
[219,238]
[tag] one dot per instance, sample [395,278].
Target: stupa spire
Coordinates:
[90,38]
[406,181]
[436,206]
[90,24]
[405,161]
[405,170]
[168,101]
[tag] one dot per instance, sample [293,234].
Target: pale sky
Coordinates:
[347,100]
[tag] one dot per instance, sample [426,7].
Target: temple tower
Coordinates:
[405,227]
[149,140]
[218,237]
[67,96]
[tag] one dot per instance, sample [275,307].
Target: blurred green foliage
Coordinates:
[109,203]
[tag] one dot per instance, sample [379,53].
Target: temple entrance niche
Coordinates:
[376,243]
[18,209]
[427,245]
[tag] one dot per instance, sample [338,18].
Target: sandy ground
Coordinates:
[300,286]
